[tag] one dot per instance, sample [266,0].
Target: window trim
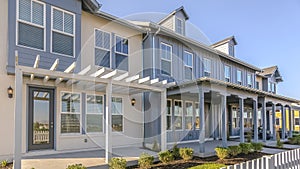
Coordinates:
[185,65]
[31,24]
[123,37]
[229,78]
[185,115]
[61,112]
[204,71]
[161,58]
[86,113]
[62,32]
[110,44]
[182,115]
[123,112]
[171,108]
[239,82]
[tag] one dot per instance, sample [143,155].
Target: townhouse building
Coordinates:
[82,79]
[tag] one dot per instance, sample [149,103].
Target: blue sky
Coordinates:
[267,32]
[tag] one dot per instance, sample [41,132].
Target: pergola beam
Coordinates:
[35,65]
[53,67]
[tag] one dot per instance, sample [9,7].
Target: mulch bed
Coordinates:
[181,164]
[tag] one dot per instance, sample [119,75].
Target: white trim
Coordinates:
[31,24]
[86,113]
[171,58]
[62,32]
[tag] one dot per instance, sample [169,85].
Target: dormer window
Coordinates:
[271,87]
[231,49]
[179,25]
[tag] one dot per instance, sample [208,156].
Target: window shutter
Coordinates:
[37,13]
[62,44]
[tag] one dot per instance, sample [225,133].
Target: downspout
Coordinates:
[143,94]
[153,48]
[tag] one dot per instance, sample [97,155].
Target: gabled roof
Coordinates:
[273,70]
[224,41]
[173,13]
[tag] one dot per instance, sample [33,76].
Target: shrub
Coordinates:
[4,163]
[209,166]
[76,166]
[165,156]
[295,140]
[246,147]
[175,152]
[117,163]
[145,161]
[234,150]
[222,152]
[257,147]
[186,153]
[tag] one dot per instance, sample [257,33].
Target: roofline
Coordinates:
[224,41]
[196,43]
[172,13]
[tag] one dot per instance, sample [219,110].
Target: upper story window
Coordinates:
[188,65]
[121,53]
[63,32]
[249,80]
[231,49]
[31,24]
[166,59]
[271,87]
[257,85]
[94,113]
[178,25]
[102,48]
[239,77]
[227,73]
[207,67]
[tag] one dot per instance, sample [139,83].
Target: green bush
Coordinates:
[175,152]
[117,163]
[222,152]
[209,166]
[76,166]
[257,147]
[165,156]
[186,153]
[4,163]
[246,148]
[234,150]
[295,140]
[145,161]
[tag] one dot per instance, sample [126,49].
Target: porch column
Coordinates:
[18,118]
[255,121]
[274,120]
[290,122]
[224,120]
[241,105]
[163,99]
[283,122]
[108,129]
[264,119]
[202,121]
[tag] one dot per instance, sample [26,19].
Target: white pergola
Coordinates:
[102,79]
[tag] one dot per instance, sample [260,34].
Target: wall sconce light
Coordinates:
[132,102]
[10,92]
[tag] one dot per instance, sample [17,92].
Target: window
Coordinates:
[121,53]
[227,73]
[102,48]
[249,80]
[179,26]
[166,59]
[188,65]
[169,114]
[271,87]
[235,118]
[117,114]
[207,67]
[231,50]
[63,30]
[70,113]
[178,115]
[31,24]
[197,116]
[94,113]
[239,77]
[297,122]
[188,115]
[277,122]
[257,85]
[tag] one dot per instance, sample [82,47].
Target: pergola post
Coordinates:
[241,105]
[202,121]
[283,124]
[224,120]
[290,122]
[108,128]
[163,99]
[274,121]
[255,125]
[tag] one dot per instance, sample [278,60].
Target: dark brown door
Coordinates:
[41,119]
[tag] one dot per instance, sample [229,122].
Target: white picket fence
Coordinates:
[284,160]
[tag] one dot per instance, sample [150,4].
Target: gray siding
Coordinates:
[26,55]
[169,23]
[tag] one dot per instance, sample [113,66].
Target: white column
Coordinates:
[18,118]
[202,122]
[255,121]
[224,121]
[163,99]
[108,129]
[241,105]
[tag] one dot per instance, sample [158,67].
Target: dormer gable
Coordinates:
[226,46]
[176,21]
[272,72]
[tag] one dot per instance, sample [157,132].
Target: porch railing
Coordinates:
[287,159]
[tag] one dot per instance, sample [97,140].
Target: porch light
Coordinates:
[132,101]
[10,92]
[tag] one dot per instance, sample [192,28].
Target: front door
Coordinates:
[41,119]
